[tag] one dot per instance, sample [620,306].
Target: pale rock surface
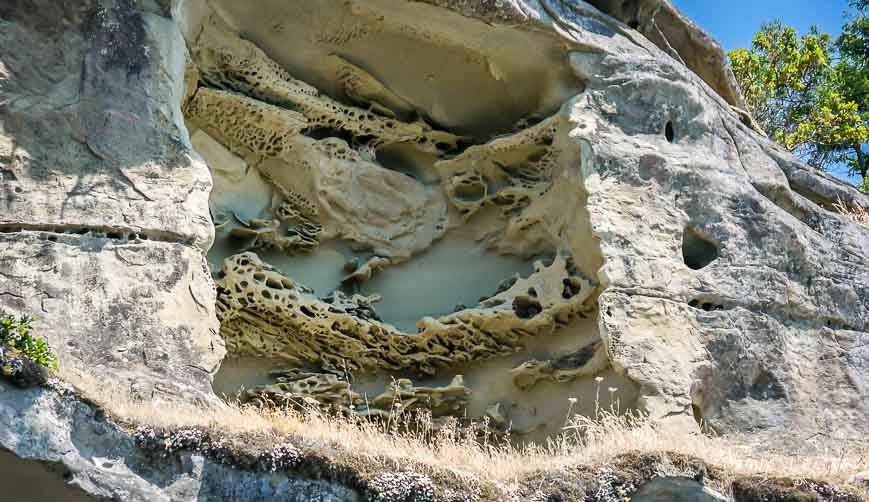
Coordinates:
[128,312]
[104,216]
[579,174]
[96,457]
[674,489]
[93,137]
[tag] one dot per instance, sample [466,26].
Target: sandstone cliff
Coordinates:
[504,212]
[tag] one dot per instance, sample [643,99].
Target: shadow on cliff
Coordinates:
[29,480]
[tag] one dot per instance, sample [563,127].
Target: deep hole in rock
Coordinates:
[670,132]
[327,132]
[705,305]
[698,251]
[526,307]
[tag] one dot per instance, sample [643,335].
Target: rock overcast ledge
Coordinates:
[416,250]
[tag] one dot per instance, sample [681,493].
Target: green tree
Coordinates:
[810,93]
[852,77]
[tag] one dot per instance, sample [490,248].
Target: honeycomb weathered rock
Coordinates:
[562,203]
[301,389]
[230,62]
[266,314]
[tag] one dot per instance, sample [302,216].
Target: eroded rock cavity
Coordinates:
[396,233]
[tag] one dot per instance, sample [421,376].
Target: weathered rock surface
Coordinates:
[131,312]
[92,134]
[104,217]
[673,489]
[529,194]
[96,457]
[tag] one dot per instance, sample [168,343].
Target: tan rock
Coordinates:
[565,199]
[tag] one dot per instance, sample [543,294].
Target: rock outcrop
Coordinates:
[104,217]
[492,210]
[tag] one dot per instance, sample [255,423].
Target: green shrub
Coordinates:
[15,334]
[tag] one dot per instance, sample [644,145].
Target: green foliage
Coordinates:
[852,73]
[15,333]
[811,93]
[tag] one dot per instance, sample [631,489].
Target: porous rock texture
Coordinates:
[494,210]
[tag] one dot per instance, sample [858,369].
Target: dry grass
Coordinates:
[856,214]
[586,442]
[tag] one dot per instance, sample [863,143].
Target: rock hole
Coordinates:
[329,132]
[707,306]
[470,191]
[526,308]
[669,132]
[571,288]
[698,251]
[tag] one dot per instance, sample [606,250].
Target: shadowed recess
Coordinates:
[380,228]
[698,251]
[28,481]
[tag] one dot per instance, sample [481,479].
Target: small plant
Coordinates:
[16,335]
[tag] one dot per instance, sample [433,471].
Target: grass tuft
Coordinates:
[858,215]
[470,459]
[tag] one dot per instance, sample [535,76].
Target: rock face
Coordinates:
[104,217]
[502,205]
[676,489]
[101,462]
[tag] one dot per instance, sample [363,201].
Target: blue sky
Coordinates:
[734,22]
